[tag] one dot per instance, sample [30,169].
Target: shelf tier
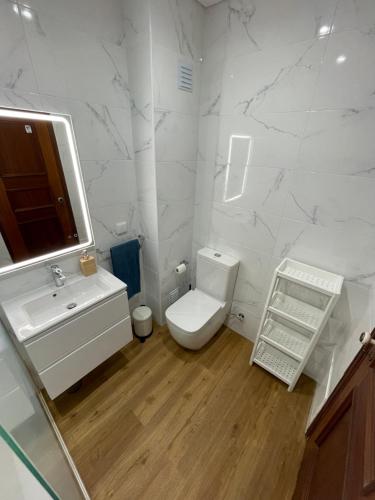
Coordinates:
[285,339]
[311,277]
[297,312]
[276,362]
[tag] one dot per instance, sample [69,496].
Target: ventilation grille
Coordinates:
[185,77]
[173,296]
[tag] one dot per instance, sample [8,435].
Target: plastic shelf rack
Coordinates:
[291,326]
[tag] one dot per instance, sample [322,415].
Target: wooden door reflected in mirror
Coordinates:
[42,204]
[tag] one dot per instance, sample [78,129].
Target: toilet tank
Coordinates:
[216,274]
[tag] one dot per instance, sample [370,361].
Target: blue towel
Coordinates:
[125,264]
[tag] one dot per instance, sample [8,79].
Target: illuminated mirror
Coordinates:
[43,208]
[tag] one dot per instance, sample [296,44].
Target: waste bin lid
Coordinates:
[141,313]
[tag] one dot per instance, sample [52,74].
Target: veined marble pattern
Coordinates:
[275,138]
[174,218]
[177,25]
[281,79]
[107,182]
[176,181]
[176,136]
[347,80]
[312,199]
[255,188]
[16,71]
[253,229]
[93,17]
[255,25]
[70,63]
[339,141]
[354,14]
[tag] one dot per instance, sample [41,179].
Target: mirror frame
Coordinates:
[67,122]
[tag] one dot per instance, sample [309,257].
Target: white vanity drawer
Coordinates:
[61,375]
[60,342]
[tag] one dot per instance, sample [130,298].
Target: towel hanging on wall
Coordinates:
[125,264]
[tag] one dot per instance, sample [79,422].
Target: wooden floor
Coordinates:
[158,422]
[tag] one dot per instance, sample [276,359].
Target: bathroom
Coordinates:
[224,139]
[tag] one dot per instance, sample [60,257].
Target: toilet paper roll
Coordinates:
[180,269]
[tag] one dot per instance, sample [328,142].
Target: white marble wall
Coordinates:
[69,57]
[176,37]
[297,78]
[159,34]
[137,24]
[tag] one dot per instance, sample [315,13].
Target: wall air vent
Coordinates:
[185,77]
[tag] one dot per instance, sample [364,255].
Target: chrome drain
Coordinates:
[72,305]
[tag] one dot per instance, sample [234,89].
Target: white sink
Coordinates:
[40,309]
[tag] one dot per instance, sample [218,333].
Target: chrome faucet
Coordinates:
[58,275]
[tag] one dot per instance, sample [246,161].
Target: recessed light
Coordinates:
[324,30]
[341,59]
[27,13]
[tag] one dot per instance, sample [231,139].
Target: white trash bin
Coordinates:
[142,322]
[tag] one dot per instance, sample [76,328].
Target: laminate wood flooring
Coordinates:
[158,422]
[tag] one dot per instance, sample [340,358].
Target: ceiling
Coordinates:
[208,3]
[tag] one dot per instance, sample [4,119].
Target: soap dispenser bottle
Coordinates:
[87,263]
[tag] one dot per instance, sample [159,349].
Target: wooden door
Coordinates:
[35,211]
[339,459]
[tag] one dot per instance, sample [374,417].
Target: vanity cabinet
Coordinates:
[61,356]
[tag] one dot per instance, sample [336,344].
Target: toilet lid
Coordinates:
[192,311]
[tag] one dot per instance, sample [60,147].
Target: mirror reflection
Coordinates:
[42,203]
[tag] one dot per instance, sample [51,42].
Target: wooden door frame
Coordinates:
[344,395]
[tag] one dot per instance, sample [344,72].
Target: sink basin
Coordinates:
[40,309]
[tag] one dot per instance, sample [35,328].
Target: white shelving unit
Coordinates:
[290,326]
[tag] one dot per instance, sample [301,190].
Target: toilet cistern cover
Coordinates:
[192,311]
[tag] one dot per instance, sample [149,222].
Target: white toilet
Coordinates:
[195,318]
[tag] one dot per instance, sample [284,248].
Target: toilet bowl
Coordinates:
[195,318]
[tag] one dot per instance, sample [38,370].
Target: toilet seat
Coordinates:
[193,311]
[195,318]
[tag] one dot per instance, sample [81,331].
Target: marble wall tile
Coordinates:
[339,141]
[275,138]
[176,136]
[148,219]
[98,19]
[312,199]
[16,70]
[354,14]
[248,328]
[281,79]
[176,181]
[252,187]
[211,80]
[136,17]
[102,132]
[255,25]
[107,182]
[347,80]
[174,218]
[177,25]
[215,26]
[71,63]
[20,99]
[253,229]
